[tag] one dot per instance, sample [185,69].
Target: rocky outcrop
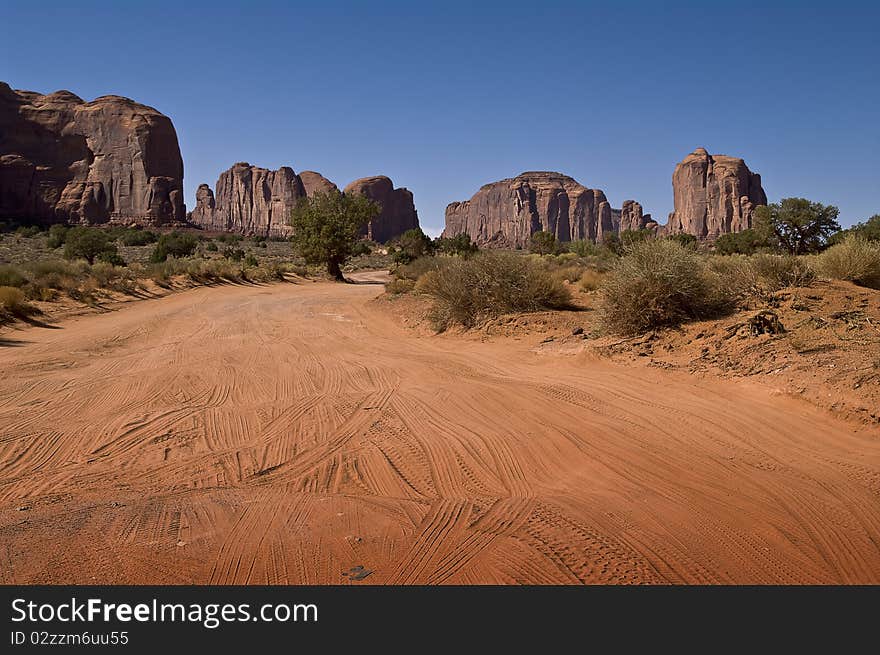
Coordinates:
[632,218]
[397,210]
[507,213]
[316,183]
[109,160]
[253,200]
[249,200]
[713,195]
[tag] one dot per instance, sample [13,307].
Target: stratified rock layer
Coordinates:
[713,195]
[507,213]
[109,160]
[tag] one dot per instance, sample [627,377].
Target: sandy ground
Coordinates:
[300,434]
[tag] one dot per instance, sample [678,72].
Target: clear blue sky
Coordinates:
[446,96]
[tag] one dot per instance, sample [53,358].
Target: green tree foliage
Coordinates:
[685,239]
[90,244]
[327,226]
[57,236]
[746,242]
[868,230]
[460,245]
[411,245]
[174,244]
[797,225]
[543,243]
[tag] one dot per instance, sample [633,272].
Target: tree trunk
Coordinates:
[335,271]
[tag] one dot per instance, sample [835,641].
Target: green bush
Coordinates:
[28,231]
[88,243]
[57,236]
[746,242]
[543,243]
[416,268]
[855,259]
[411,245]
[660,283]
[137,237]
[466,291]
[684,239]
[584,248]
[460,245]
[173,244]
[210,246]
[11,277]
[233,254]
[250,260]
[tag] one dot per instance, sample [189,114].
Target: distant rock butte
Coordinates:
[713,195]
[108,160]
[253,200]
[506,213]
[397,210]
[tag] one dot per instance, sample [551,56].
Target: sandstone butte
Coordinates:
[254,200]
[713,195]
[63,159]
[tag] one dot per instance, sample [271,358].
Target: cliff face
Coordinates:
[253,200]
[507,213]
[713,195]
[109,160]
[398,212]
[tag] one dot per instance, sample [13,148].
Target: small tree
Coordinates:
[869,230]
[411,245]
[173,244]
[797,225]
[460,245]
[327,226]
[88,243]
[745,242]
[543,243]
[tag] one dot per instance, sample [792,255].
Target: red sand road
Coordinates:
[289,433]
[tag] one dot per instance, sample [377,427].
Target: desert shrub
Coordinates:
[11,277]
[591,279]
[684,239]
[466,291]
[543,243]
[854,259]
[460,245]
[57,236]
[229,238]
[571,273]
[173,244]
[776,272]
[746,242]
[416,268]
[211,247]
[12,303]
[137,237]
[399,285]
[584,248]
[251,260]
[361,248]
[868,230]
[233,254]
[28,231]
[660,283]
[88,243]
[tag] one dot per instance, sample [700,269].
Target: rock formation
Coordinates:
[713,195]
[398,212]
[632,218]
[507,213]
[253,200]
[316,183]
[109,160]
[249,200]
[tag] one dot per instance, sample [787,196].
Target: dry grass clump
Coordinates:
[759,276]
[660,283]
[591,279]
[13,304]
[854,259]
[397,286]
[466,291]
[417,268]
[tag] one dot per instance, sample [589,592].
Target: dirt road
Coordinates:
[293,433]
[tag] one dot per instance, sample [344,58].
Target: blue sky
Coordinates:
[445,96]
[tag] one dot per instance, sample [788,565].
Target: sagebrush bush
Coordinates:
[12,303]
[10,276]
[660,283]
[466,291]
[855,259]
[417,268]
[779,271]
[591,279]
[399,285]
